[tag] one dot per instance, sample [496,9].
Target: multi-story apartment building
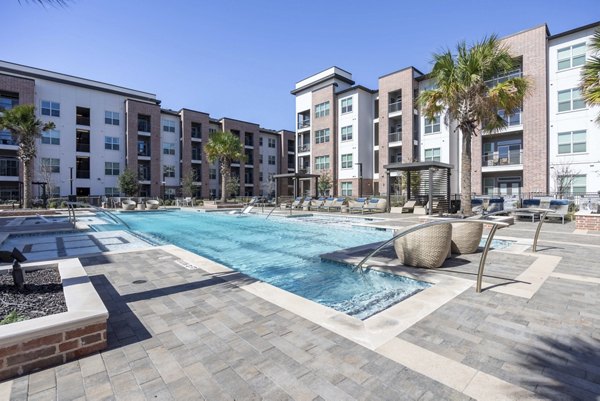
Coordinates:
[554,127]
[101,129]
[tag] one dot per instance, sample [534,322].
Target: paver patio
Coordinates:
[189,334]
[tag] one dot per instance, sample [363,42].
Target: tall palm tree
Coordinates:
[25,128]
[467,93]
[224,147]
[590,75]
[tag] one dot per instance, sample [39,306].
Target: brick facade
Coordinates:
[187,118]
[244,127]
[589,222]
[325,94]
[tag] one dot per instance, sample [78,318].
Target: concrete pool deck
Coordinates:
[195,330]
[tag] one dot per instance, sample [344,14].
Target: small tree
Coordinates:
[129,182]
[224,147]
[25,128]
[187,183]
[48,177]
[233,186]
[324,183]
[563,176]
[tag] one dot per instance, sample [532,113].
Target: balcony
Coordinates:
[7,139]
[507,158]
[395,136]
[394,107]
[82,120]
[304,148]
[495,81]
[304,123]
[82,174]
[513,119]
[304,169]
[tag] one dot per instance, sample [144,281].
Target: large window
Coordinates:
[432,126]
[322,135]
[168,148]
[347,133]
[9,168]
[432,155]
[322,110]
[272,160]
[168,125]
[111,168]
[212,174]
[272,142]
[576,184]
[168,171]
[572,56]
[111,143]
[571,142]
[347,105]
[111,117]
[346,189]
[322,162]
[8,100]
[347,161]
[570,99]
[50,108]
[51,165]
[111,191]
[51,137]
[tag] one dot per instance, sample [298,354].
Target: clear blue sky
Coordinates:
[240,59]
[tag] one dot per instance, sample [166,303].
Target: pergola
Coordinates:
[296,177]
[431,167]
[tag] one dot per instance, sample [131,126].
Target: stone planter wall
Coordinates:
[51,340]
[587,221]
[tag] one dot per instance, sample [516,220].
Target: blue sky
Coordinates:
[240,59]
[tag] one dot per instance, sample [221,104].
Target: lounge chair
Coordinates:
[327,204]
[128,204]
[560,207]
[315,204]
[306,202]
[296,203]
[530,203]
[375,205]
[409,206]
[427,248]
[152,204]
[337,204]
[356,204]
[477,206]
[495,205]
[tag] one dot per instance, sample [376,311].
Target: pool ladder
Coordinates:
[272,210]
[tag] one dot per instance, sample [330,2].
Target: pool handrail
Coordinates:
[113,217]
[495,225]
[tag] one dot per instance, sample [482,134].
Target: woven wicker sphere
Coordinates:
[426,248]
[466,237]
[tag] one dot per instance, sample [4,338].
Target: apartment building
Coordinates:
[553,128]
[101,129]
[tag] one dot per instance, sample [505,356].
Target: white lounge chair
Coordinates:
[356,204]
[337,204]
[315,204]
[409,206]
[327,204]
[560,207]
[375,205]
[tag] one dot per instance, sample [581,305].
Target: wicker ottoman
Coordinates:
[426,248]
[466,237]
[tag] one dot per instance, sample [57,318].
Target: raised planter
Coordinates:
[587,221]
[52,340]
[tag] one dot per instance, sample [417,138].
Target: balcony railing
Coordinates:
[396,106]
[304,148]
[196,155]
[145,153]
[7,139]
[82,174]
[495,81]
[144,126]
[83,147]
[249,142]
[82,120]
[511,157]
[512,120]
[305,169]
[144,177]
[291,165]
[395,136]
[304,123]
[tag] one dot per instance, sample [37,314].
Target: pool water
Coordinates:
[284,253]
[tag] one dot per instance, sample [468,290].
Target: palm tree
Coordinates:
[224,147]
[467,93]
[590,75]
[25,128]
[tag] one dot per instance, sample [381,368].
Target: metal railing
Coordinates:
[396,106]
[495,225]
[303,123]
[395,136]
[304,148]
[513,157]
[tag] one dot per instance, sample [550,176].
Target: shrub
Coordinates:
[12,317]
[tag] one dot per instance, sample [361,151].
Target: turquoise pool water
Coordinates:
[284,253]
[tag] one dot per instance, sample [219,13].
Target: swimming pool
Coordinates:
[284,253]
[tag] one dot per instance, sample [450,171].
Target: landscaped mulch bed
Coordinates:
[43,294]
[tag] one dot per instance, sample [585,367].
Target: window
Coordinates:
[260,158]
[8,100]
[322,110]
[322,135]
[260,176]
[111,191]
[571,142]
[82,141]
[111,118]
[212,130]
[111,168]
[347,105]
[346,189]
[168,171]
[272,160]
[196,131]
[50,108]
[212,174]
[272,142]
[570,99]
[144,123]
[572,56]
[168,125]
[168,148]
[347,133]
[82,115]
[111,143]
[51,165]
[260,141]
[578,184]
[9,168]
[51,137]
[322,163]
[347,161]
[432,155]
[432,126]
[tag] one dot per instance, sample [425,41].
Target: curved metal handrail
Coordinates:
[495,225]
[272,210]
[543,213]
[113,217]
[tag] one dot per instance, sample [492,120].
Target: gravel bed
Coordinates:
[43,294]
